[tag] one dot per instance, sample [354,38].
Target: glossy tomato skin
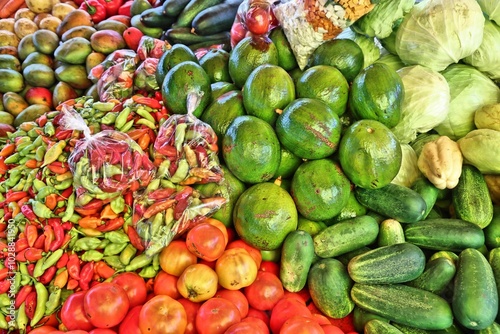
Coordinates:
[198,282]
[162,315]
[176,257]
[73,314]
[299,324]
[254,252]
[166,284]
[220,225]
[106,304]
[102,331]
[134,286]
[43,330]
[191,309]
[331,329]
[285,309]
[270,266]
[263,328]
[244,328]
[262,315]
[130,324]
[236,269]
[206,241]
[237,297]
[216,315]
[265,291]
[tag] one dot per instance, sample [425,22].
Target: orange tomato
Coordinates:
[198,282]
[162,314]
[176,257]
[237,297]
[254,252]
[191,311]
[206,241]
[236,269]
[216,315]
[220,225]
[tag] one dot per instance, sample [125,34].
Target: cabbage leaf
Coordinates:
[491,8]
[487,57]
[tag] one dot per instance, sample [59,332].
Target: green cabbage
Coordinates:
[409,171]
[379,22]
[491,8]
[369,46]
[487,57]
[481,149]
[426,102]
[391,60]
[470,89]
[437,33]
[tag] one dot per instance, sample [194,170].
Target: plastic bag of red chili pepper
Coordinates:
[161,214]
[105,164]
[186,149]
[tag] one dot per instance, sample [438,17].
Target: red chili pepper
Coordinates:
[66,240]
[31,268]
[64,134]
[135,240]
[126,160]
[30,304]
[14,196]
[40,241]
[58,167]
[86,275]
[112,224]
[3,246]
[31,192]
[22,294]
[73,266]
[49,237]
[42,120]
[63,261]
[103,270]
[147,101]
[31,232]
[3,273]
[27,211]
[21,244]
[72,284]
[58,234]
[67,226]
[66,193]
[161,193]
[129,198]
[21,256]
[48,275]
[33,254]
[93,204]
[4,286]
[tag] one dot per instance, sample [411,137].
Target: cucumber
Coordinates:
[445,234]
[428,191]
[396,263]
[446,254]
[494,260]
[185,36]
[361,317]
[155,18]
[376,326]
[404,304]
[346,236]
[329,285]
[394,201]
[411,330]
[173,8]
[215,19]
[391,232]
[345,258]
[437,275]
[492,231]
[475,295]
[297,254]
[471,199]
[494,328]
[193,7]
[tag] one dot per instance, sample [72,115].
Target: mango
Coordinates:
[11,81]
[73,51]
[14,103]
[39,75]
[76,18]
[45,41]
[107,41]
[94,59]
[26,47]
[8,50]
[38,58]
[110,24]
[73,75]
[6,118]
[10,62]
[30,114]
[62,92]
[80,31]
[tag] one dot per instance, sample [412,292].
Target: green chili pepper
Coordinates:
[49,129]
[26,149]
[180,133]
[75,218]
[25,276]
[52,259]
[144,113]
[127,126]
[23,140]
[157,223]
[18,133]
[4,299]
[103,244]
[121,119]
[44,192]
[92,255]
[64,184]
[117,237]
[109,118]
[104,196]
[33,133]
[22,319]
[38,271]
[86,243]
[19,186]
[167,184]
[103,106]
[162,171]
[17,284]
[53,301]
[54,152]
[140,261]
[83,199]
[181,172]
[148,272]
[111,170]
[13,180]
[114,249]
[127,254]
[87,184]
[156,262]
[118,205]
[153,185]
[3,322]
[74,233]
[42,296]
[40,153]
[70,208]
[114,262]
[41,210]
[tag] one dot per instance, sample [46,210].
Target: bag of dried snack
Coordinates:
[309,23]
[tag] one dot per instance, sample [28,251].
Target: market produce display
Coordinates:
[249,166]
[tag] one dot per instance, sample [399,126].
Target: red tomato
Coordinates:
[162,315]
[257,20]
[43,330]
[346,324]
[285,309]
[176,257]
[206,241]
[130,324]
[166,284]
[236,269]
[299,324]
[73,314]
[220,225]
[198,283]
[106,304]
[244,328]
[270,266]
[263,328]
[50,320]
[102,331]
[254,252]
[265,291]
[216,315]
[76,331]
[331,329]
[237,297]
[321,319]
[302,295]
[134,286]
[191,309]
[262,315]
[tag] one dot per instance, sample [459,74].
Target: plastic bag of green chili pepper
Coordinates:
[188,149]
[105,164]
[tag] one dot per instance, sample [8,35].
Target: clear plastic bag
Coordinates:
[105,164]
[117,82]
[163,214]
[188,149]
[144,77]
[150,47]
